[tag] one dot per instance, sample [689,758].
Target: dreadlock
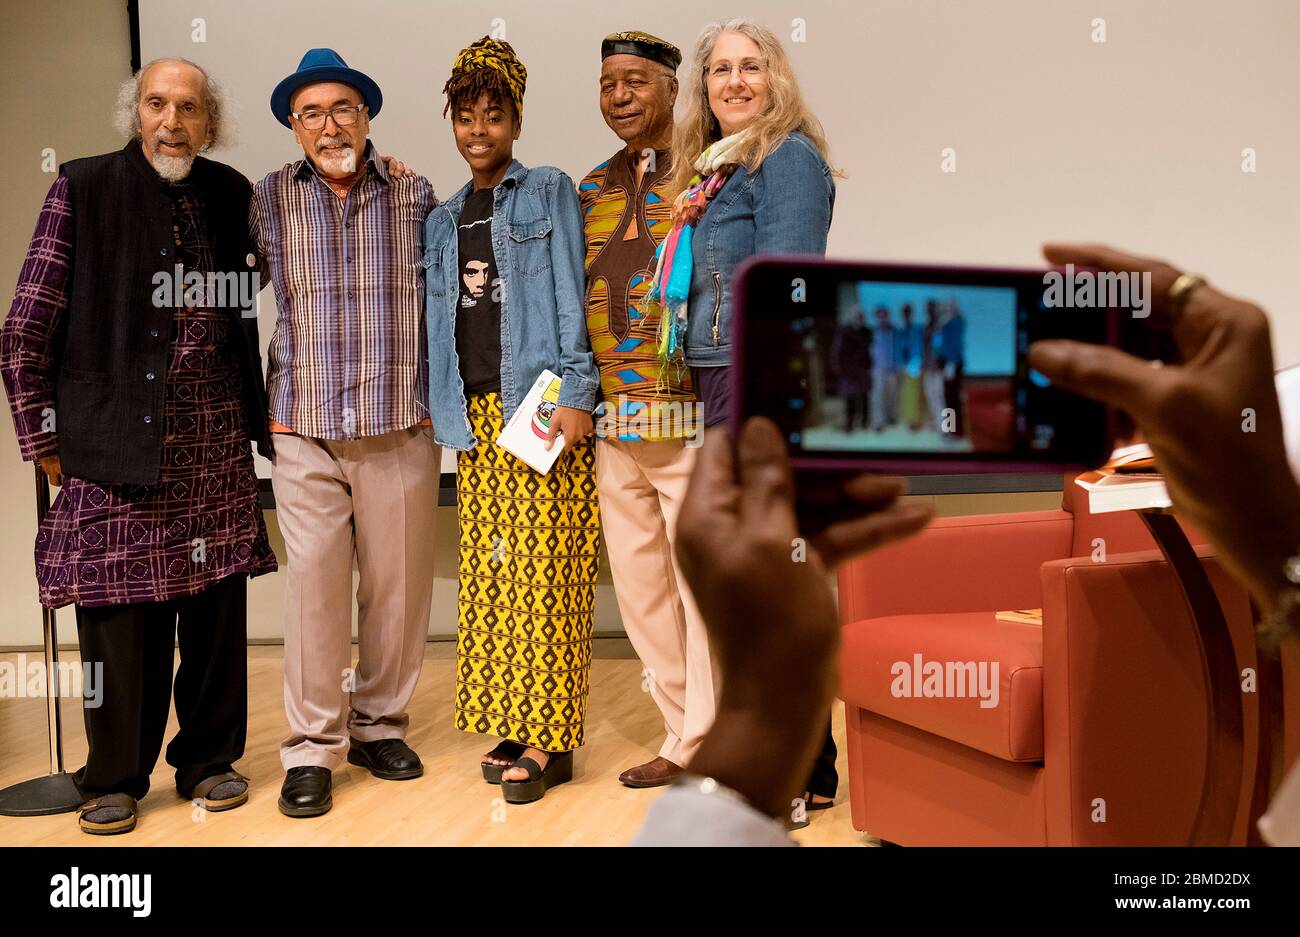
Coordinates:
[463,89]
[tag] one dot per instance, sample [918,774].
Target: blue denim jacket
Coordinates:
[784,208]
[538,239]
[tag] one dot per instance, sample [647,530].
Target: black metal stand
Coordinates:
[55,792]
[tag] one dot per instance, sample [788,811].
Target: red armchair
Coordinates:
[1098,735]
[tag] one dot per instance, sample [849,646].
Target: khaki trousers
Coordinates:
[371,498]
[641,487]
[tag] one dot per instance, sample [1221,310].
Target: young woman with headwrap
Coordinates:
[505,286]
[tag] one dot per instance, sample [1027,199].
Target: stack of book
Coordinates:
[1128,482]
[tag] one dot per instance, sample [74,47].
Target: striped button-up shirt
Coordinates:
[348,357]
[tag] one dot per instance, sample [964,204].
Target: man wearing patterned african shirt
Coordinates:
[137,388]
[646,440]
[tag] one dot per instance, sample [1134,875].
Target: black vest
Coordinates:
[109,411]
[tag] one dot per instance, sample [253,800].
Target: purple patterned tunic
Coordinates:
[117,544]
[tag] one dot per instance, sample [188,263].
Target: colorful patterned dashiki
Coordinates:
[529,555]
[120,544]
[624,223]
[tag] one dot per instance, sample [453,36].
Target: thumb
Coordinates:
[707,523]
[552,429]
[766,482]
[1098,372]
[710,508]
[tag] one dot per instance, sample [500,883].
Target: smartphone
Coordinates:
[912,369]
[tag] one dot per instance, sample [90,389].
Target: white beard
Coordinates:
[345,160]
[346,156]
[172,168]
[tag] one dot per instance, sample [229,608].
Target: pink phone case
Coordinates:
[899,464]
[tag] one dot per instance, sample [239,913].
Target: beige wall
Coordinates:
[1136,140]
[59,73]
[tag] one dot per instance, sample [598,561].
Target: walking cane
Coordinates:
[54,792]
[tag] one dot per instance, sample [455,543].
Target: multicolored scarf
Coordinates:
[671,286]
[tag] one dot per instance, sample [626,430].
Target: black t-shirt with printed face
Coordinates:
[478,310]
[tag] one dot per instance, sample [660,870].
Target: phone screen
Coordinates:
[858,363]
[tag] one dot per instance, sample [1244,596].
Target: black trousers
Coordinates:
[824,780]
[857,409]
[134,645]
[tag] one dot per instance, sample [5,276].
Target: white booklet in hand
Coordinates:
[525,435]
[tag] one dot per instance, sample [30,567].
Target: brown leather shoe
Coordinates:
[654,773]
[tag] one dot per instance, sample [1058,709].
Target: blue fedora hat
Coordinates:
[323,65]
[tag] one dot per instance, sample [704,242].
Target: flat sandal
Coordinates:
[108,827]
[205,787]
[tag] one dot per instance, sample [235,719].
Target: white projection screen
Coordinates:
[1163,126]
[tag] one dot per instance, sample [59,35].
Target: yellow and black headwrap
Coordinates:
[487,65]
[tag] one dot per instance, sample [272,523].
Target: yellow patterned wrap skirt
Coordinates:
[529,555]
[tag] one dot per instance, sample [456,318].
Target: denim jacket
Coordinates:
[538,240]
[784,208]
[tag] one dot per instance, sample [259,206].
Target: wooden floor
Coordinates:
[450,805]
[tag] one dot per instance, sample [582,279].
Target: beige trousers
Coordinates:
[641,487]
[372,498]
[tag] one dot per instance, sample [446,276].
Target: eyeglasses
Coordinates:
[722,71]
[345,115]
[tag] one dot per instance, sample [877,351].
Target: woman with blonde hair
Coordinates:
[750,176]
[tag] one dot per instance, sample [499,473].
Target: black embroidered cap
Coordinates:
[635,42]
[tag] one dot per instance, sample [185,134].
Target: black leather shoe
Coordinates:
[390,759]
[306,792]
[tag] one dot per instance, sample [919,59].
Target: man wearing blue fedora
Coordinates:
[356,469]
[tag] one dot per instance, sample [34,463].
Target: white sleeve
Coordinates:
[1288,397]
[1280,825]
[688,817]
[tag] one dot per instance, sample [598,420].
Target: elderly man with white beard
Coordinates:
[140,404]
[356,471]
